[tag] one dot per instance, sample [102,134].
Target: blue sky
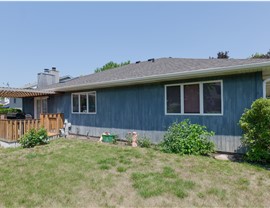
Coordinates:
[77,37]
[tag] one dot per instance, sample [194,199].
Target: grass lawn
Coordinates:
[79,173]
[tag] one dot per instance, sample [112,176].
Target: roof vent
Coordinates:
[152,60]
[46,70]
[137,62]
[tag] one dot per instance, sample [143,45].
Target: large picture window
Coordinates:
[84,102]
[200,98]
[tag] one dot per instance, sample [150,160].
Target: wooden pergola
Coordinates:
[22,93]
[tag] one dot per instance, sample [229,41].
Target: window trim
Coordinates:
[87,102]
[181,85]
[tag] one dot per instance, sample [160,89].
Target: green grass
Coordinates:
[79,173]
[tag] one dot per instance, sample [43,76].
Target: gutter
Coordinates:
[171,76]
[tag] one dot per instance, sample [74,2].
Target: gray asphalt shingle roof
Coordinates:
[161,66]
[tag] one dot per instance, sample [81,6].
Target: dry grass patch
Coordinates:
[79,173]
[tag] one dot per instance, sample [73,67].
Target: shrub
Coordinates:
[129,138]
[144,142]
[186,138]
[33,138]
[255,123]
[9,110]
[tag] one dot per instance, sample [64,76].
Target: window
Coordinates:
[84,102]
[192,98]
[75,103]
[92,102]
[212,97]
[40,106]
[201,98]
[14,101]
[173,99]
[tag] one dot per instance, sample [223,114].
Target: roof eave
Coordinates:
[170,77]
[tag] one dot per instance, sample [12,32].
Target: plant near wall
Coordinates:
[9,110]
[255,123]
[186,138]
[128,138]
[144,142]
[34,137]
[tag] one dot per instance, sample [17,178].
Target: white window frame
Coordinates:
[181,85]
[87,102]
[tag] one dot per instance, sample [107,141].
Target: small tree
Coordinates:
[255,123]
[111,65]
[223,55]
[261,55]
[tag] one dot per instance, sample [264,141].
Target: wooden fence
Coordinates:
[52,122]
[14,129]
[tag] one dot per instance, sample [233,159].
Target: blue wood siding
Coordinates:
[28,106]
[142,107]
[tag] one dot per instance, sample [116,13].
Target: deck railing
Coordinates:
[14,129]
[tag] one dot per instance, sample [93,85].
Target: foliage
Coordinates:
[187,138]
[261,55]
[33,138]
[144,142]
[223,55]
[111,65]
[129,138]
[114,140]
[255,123]
[9,110]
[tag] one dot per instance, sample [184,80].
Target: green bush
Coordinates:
[255,123]
[186,138]
[9,110]
[129,138]
[33,138]
[144,142]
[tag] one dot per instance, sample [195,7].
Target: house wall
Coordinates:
[28,106]
[142,109]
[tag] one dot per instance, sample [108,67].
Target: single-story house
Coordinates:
[147,97]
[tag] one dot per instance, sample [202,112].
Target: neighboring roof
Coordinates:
[162,69]
[20,93]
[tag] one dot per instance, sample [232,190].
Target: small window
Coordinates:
[83,103]
[212,97]
[15,100]
[192,98]
[92,102]
[173,99]
[75,105]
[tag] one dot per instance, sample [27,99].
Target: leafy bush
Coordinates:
[9,110]
[129,138]
[255,123]
[33,138]
[186,138]
[144,142]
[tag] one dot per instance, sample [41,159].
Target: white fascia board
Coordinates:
[170,77]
